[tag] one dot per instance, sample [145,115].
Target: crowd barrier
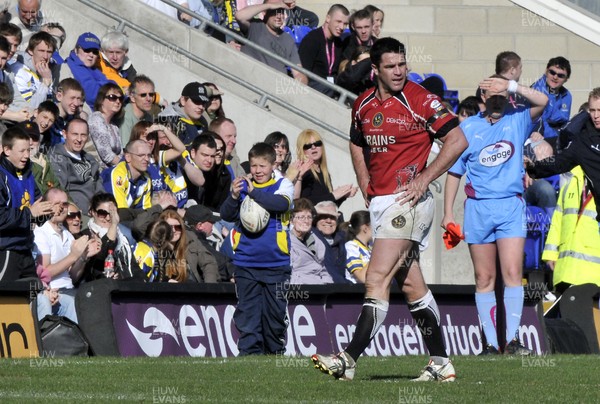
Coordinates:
[121,318]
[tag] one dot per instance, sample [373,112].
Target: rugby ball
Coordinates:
[254,217]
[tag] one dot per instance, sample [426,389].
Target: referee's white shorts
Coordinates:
[390,220]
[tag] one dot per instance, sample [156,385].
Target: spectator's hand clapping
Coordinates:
[344,191]
[79,246]
[236,187]
[93,247]
[41,208]
[166,199]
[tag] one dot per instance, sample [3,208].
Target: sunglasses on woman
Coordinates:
[102,213]
[114,98]
[309,146]
[73,215]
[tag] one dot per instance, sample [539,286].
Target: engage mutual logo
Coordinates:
[496,154]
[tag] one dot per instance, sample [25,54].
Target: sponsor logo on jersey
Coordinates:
[119,181]
[378,119]
[496,154]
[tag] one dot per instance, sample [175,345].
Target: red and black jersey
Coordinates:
[398,133]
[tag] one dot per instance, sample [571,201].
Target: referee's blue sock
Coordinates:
[486,308]
[513,304]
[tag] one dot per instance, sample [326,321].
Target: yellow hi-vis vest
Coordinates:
[573,239]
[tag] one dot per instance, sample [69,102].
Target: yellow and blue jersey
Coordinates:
[172,175]
[128,193]
[145,256]
[271,246]
[358,255]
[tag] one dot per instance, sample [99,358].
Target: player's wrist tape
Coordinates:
[512,86]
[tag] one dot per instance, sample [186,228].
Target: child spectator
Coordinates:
[44,116]
[17,207]
[358,246]
[5,100]
[467,107]
[45,177]
[262,259]
[69,97]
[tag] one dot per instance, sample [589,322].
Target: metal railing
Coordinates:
[264,95]
[344,94]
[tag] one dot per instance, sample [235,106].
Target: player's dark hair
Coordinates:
[386,45]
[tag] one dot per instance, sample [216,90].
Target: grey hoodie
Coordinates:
[80,178]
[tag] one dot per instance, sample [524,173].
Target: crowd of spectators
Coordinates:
[111,174]
[109,171]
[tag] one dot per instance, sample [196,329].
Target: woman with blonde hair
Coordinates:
[312,179]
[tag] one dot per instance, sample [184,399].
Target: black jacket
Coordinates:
[583,150]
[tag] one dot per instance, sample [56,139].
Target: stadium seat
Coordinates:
[538,223]
[298,32]
[346,33]
[415,77]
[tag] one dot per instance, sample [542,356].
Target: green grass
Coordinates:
[559,378]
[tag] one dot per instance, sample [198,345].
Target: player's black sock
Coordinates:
[371,317]
[426,314]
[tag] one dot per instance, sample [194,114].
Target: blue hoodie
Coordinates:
[557,112]
[17,192]
[91,79]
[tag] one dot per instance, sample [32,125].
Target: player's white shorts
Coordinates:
[391,220]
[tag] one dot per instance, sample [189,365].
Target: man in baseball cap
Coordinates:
[185,117]
[88,41]
[82,65]
[200,220]
[200,215]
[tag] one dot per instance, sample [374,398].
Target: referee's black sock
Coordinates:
[426,314]
[371,317]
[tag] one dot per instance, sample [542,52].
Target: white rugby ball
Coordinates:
[254,217]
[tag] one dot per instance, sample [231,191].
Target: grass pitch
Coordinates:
[278,379]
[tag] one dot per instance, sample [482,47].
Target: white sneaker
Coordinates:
[439,373]
[340,366]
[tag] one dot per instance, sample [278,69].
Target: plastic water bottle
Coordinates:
[109,265]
